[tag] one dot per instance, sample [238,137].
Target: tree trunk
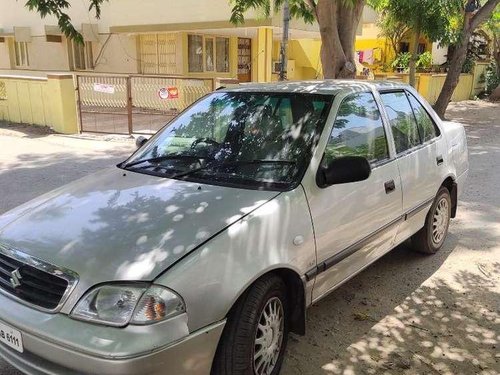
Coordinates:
[414,56]
[495,95]
[338,33]
[454,70]
[471,22]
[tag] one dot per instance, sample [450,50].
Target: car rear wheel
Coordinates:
[256,332]
[432,236]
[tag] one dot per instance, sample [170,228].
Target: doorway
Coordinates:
[244,59]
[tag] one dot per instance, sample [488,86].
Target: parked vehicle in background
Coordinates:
[202,251]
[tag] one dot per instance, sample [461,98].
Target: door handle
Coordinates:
[440,160]
[390,186]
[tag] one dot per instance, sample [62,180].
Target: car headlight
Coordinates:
[120,304]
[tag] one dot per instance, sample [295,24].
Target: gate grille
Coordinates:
[125,105]
[103,104]
[150,113]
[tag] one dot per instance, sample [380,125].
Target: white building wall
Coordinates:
[116,55]
[48,56]
[119,53]
[439,54]
[120,13]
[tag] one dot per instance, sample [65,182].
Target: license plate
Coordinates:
[11,337]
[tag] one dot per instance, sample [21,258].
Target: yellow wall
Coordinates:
[4,55]
[479,72]
[431,84]
[304,59]
[307,56]
[262,55]
[380,46]
[40,101]
[369,39]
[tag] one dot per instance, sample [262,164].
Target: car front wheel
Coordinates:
[256,332]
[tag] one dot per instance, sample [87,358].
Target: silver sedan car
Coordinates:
[201,252]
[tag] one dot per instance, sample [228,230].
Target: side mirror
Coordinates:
[140,140]
[344,170]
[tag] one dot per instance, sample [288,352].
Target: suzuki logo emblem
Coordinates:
[15,278]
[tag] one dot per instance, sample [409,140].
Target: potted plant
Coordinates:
[402,62]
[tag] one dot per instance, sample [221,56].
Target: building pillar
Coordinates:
[62,95]
[262,55]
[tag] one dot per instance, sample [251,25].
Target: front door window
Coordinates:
[358,131]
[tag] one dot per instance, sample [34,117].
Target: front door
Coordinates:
[244,59]
[355,223]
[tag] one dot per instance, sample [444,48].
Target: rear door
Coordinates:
[419,155]
[354,223]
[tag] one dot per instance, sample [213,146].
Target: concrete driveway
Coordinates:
[406,314]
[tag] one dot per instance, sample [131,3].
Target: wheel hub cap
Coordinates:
[440,221]
[269,337]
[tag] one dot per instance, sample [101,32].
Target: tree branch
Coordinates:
[483,13]
[311,4]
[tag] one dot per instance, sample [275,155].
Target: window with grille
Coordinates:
[208,54]
[158,53]
[21,51]
[195,53]
[222,53]
[81,56]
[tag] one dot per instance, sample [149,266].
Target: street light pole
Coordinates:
[284,41]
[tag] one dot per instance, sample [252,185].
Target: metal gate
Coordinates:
[135,104]
[103,104]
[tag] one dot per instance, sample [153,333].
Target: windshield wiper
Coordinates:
[234,163]
[165,157]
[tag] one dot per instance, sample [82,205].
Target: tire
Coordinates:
[431,237]
[236,354]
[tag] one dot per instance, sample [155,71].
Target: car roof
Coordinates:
[326,87]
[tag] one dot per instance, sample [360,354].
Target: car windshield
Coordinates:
[255,140]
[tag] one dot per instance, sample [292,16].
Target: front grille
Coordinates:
[31,284]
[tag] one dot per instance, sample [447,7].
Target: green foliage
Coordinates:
[468,64]
[492,79]
[392,29]
[58,9]
[433,18]
[402,61]
[425,60]
[298,9]
[492,25]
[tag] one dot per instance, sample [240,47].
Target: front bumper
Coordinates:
[56,344]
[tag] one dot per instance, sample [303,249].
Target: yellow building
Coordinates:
[187,38]
[377,52]
[190,38]
[139,50]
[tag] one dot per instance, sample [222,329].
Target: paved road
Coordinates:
[406,314]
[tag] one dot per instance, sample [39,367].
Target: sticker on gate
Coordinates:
[106,89]
[168,93]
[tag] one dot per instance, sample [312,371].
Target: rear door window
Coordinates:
[426,126]
[404,127]
[358,130]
